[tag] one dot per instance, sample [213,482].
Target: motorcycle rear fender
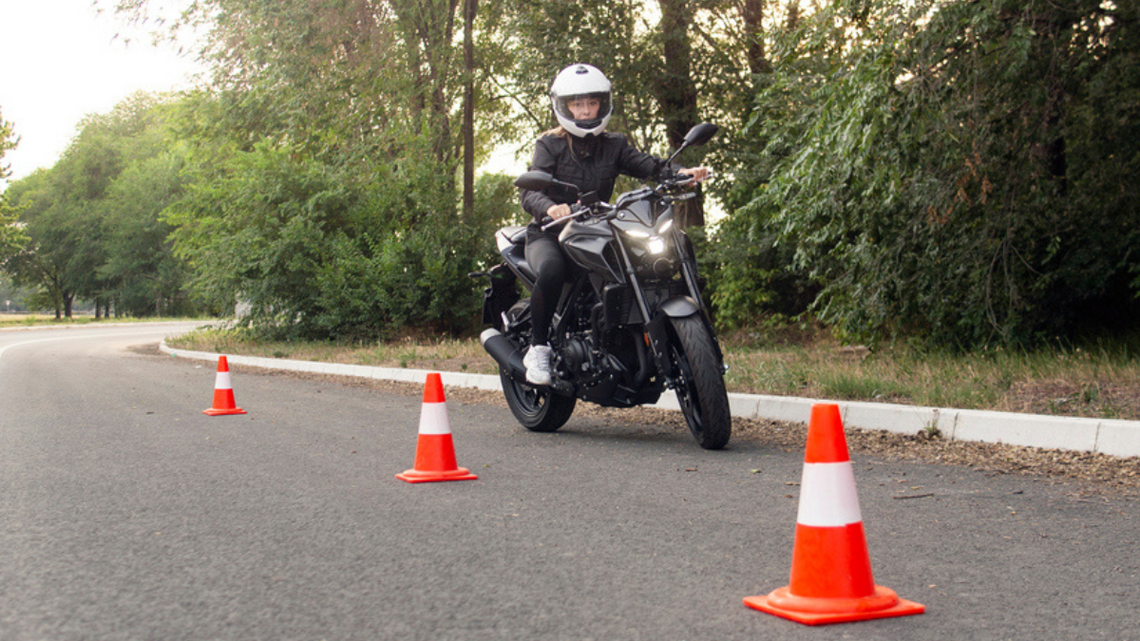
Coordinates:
[499,297]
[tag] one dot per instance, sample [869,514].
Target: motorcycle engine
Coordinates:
[588,366]
[576,356]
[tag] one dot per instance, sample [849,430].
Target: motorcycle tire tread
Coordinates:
[554,413]
[708,381]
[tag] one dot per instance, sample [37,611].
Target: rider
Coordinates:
[581,152]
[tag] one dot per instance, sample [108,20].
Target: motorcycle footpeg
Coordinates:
[565,388]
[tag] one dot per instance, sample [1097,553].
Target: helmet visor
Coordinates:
[587,110]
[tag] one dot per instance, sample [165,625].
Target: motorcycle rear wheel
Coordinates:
[701,391]
[538,409]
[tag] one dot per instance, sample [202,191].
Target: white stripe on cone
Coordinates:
[433,419]
[222,381]
[827,495]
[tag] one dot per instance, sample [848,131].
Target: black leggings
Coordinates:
[544,255]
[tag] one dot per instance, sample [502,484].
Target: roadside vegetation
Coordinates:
[1100,381]
[946,182]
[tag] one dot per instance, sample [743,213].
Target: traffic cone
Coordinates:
[435,451]
[223,392]
[831,578]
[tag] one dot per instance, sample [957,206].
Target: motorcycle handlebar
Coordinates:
[577,210]
[683,180]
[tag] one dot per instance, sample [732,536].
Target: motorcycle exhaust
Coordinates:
[505,354]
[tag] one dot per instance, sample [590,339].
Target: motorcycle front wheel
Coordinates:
[538,409]
[700,389]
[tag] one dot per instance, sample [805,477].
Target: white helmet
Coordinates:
[580,81]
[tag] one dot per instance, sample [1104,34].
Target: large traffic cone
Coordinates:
[831,570]
[223,392]
[435,451]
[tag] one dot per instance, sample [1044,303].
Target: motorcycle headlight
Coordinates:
[653,243]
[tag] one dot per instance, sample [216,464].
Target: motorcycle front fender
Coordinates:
[658,332]
[659,337]
[680,307]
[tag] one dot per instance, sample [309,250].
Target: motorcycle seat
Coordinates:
[512,244]
[514,234]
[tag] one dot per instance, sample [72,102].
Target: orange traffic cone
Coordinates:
[831,570]
[435,451]
[223,392]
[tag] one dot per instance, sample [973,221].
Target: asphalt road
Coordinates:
[125,513]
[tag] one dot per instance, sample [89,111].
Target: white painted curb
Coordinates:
[1112,437]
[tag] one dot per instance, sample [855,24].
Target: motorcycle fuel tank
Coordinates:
[588,244]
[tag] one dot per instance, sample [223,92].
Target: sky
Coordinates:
[60,62]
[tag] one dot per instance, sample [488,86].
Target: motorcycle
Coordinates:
[630,321]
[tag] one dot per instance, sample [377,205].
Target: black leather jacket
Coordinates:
[593,165]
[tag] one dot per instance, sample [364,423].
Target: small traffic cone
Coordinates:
[223,392]
[831,578]
[435,451]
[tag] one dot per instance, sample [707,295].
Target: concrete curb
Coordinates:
[1105,436]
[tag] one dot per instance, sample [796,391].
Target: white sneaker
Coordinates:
[537,361]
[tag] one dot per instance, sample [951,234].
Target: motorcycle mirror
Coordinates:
[534,180]
[700,134]
[539,180]
[697,136]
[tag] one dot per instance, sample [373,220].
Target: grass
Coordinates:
[448,354]
[1103,381]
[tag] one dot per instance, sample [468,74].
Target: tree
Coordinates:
[955,171]
[470,10]
[64,245]
[93,218]
[330,145]
[12,236]
[140,273]
[8,142]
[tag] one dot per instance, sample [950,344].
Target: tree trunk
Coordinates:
[793,19]
[430,26]
[752,13]
[1055,152]
[676,92]
[470,7]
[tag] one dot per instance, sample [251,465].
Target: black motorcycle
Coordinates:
[630,321]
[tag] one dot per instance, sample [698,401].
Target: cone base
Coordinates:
[419,476]
[819,611]
[222,412]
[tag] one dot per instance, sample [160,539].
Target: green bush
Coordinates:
[957,172]
[334,251]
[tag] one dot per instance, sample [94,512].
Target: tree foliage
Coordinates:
[950,170]
[324,158]
[12,237]
[954,171]
[331,251]
[93,219]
